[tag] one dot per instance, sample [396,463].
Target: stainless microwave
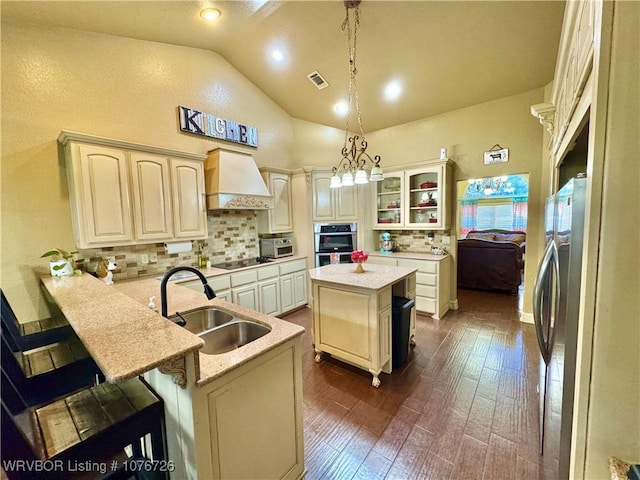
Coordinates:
[276,247]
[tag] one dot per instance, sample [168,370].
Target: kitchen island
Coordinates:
[352,313]
[219,408]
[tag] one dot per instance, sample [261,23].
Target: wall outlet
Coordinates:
[153,258]
[446,240]
[144,258]
[443,153]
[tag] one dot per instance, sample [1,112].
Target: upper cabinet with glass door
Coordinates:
[425,196]
[414,199]
[389,200]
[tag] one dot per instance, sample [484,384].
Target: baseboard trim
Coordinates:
[526,317]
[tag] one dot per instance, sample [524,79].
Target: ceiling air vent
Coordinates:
[317,80]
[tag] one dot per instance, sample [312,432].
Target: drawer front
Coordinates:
[425,305]
[219,283]
[426,291]
[243,278]
[426,279]
[294,266]
[422,265]
[383,260]
[268,272]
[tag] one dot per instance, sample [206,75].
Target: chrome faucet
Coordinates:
[208,291]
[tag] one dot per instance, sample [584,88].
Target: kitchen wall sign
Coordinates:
[208,125]
[496,154]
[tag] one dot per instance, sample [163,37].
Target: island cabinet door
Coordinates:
[255,421]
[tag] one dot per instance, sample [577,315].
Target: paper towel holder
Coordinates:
[178,247]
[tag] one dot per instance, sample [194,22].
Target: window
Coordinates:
[493,203]
[496,213]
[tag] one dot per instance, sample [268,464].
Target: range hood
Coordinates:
[232,181]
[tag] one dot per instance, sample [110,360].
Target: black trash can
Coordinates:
[401,321]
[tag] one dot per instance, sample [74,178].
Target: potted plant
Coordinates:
[61,263]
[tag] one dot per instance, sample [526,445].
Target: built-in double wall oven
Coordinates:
[339,239]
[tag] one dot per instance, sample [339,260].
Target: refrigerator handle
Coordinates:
[538,290]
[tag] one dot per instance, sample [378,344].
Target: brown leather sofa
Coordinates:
[488,264]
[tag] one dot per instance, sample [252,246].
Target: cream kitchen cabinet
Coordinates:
[221,285]
[189,206]
[332,204]
[415,199]
[571,81]
[432,291]
[246,423]
[432,285]
[244,290]
[151,182]
[124,193]
[269,289]
[279,219]
[100,195]
[293,285]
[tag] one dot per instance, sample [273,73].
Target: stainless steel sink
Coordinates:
[202,319]
[231,336]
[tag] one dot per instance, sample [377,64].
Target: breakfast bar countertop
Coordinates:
[126,338]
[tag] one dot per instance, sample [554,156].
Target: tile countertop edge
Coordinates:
[97,322]
[412,255]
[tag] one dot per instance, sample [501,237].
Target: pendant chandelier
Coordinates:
[351,168]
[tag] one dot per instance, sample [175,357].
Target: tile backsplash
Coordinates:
[233,235]
[417,240]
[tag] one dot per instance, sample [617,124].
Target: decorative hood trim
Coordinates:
[232,181]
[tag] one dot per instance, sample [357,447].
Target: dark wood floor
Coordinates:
[463,407]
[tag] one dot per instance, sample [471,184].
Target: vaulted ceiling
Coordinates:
[444,55]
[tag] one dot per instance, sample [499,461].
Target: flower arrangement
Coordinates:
[359,257]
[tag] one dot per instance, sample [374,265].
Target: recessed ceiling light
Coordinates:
[393,90]
[341,108]
[277,55]
[210,13]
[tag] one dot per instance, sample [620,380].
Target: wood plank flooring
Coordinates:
[464,406]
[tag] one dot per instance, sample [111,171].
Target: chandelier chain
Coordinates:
[351,27]
[354,150]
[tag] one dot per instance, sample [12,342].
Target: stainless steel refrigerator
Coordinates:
[556,315]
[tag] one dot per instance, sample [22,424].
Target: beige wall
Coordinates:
[467,133]
[54,79]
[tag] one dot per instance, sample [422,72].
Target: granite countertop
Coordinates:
[126,338]
[375,277]
[181,299]
[412,255]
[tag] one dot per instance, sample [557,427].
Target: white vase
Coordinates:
[60,268]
